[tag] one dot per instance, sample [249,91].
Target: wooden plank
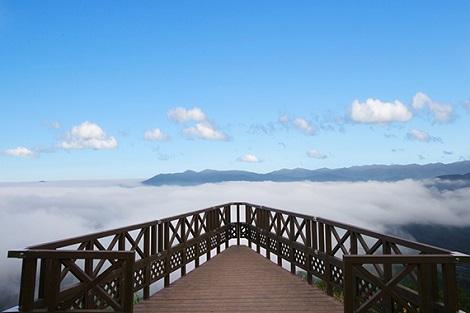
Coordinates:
[253,284]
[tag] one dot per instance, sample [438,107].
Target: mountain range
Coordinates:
[450,171]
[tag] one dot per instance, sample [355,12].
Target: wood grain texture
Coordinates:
[240,280]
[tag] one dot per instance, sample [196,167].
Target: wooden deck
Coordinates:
[239,280]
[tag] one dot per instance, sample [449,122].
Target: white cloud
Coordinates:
[420,100]
[204,131]
[156,135]
[420,135]
[249,158]
[88,136]
[181,115]
[377,111]
[315,154]
[284,119]
[55,125]
[21,152]
[304,126]
[442,113]
[466,105]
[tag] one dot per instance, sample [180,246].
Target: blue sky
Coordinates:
[260,85]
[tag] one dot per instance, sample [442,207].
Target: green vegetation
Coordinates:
[137,298]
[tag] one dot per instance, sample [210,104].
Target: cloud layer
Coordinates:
[51,211]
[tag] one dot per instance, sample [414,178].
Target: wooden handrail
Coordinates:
[324,249]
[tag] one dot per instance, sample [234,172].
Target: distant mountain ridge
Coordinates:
[455,177]
[355,173]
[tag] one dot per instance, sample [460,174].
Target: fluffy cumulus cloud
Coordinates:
[51,211]
[88,135]
[316,154]
[156,134]
[181,115]
[421,135]
[304,126]
[249,158]
[21,152]
[378,111]
[204,131]
[442,113]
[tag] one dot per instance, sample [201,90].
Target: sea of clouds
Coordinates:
[32,213]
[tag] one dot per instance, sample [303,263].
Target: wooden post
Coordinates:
[349,286]
[153,241]
[167,248]
[238,225]
[183,251]
[122,242]
[387,299]
[209,234]
[353,243]
[52,287]
[228,219]
[308,243]
[198,234]
[329,286]
[321,237]
[217,227]
[258,227]
[268,238]
[450,288]
[248,223]
[291,239]
[28,282]
[278,236]
[147,267]
[127,285]
[42,278]
[160,246]
[314,235]
[424,287]
[88,300]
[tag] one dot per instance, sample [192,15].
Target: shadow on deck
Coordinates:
[240,280]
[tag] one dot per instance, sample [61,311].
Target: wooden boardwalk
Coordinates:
[239,280]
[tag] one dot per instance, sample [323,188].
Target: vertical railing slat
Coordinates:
[147,266]
[28,282]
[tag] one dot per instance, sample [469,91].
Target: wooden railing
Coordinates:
[102,271]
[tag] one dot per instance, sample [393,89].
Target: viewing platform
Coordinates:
[251,284]
[238,257]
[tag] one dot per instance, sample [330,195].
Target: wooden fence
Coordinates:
[102,271]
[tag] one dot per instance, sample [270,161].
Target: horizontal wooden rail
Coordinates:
[324,249]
